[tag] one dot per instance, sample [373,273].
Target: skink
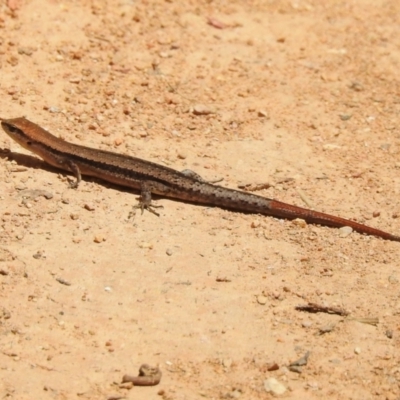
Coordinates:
[151,178]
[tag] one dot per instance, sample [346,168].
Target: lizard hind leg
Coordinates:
[195,175]
[145,200]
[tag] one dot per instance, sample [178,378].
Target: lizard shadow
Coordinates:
[26,160]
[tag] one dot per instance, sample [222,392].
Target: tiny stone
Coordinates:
[89,206]
[273,386]
[272,367]
[345,117]
[389,334]
[262,299]
[181,155]
[20,186]
[75,79]
[262,113]
[299,222]
[255,224]
[25,50]
[236,394]
[54,110]
[146,245]
[393,279]
[125,385]
[357,86]
[200,109]
[99,239]
[313,385]
[357,350]
[345,231]
[326,329]
[169,252]
[227,363]
[295,368]
[306,324]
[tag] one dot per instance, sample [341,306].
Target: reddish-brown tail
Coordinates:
[289,211]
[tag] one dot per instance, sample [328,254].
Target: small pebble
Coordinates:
[273,386]
[262,299]
[126,385]
[99,238]
[75,80]
[201,109]
[28,51]
[227,363]
[345,231]
[89,206]
[54,110]
[295,368]
[299,222]
[272,367]
[357,350]
[313,385]
[357,86]
[146,245]
[236,394]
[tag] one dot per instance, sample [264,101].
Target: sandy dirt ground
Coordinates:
[299,99]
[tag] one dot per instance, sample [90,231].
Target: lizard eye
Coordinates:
[12,129]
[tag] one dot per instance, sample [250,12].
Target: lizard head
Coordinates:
[16,129]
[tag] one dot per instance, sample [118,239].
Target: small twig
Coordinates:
[219,279]
[315,308]
[148,376]
[63,281]
[306,200]
[367,320]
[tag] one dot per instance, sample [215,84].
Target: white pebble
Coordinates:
[273,386]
